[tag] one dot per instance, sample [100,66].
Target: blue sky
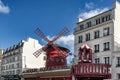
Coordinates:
[19,18]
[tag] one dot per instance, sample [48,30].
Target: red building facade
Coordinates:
[84,70]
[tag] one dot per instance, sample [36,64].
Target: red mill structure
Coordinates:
[57,69]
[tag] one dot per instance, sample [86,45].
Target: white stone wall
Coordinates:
[28,59]
[113,38]
[102,39]
[115,68]
[116,20]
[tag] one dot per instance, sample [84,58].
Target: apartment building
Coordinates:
[102,34]
[1,52]
[19,57]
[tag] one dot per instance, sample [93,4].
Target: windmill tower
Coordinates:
[55,54]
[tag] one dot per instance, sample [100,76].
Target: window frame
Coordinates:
[89,24]
[106,31]
[96,34]
[107,60]
[80,39]
[87,37]
[106,46]
[118,62]
[97,60]
[96,48]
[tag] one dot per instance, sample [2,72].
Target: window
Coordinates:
[80,39]
[17,71]
[13,72]
[3,73]
[107,60]
[20,50]
[16,58]
[118,76]
[97,60]
[3,67]
[12,66]
[106,31]
[89,24]
[118,61]
[96,48]
[6,67]
[81,27]
[9,67]
[44,57]
[62,60]
[18,65]
[16,51]
[108,17]
[106,46]
[87,36]
[57,59]
[97,21]
[13,59]
[10,72]
[7,72]
[96,34]
[103,19]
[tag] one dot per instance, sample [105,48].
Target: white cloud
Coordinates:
[67,41]
[91,13]
[3,8]
[89,5]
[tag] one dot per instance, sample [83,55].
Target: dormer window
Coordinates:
[103,19]
[81,27]
[88,24]
[98,21]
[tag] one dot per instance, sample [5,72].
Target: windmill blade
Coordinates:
[38,52]
[61,33]
[60,52]
[41,34]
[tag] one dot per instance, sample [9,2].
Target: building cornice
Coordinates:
[92,27]
[95,16]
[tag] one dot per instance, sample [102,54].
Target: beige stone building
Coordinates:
[19,57]
[102,34]
[1,52]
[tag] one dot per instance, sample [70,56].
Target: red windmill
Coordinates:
[55,54]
